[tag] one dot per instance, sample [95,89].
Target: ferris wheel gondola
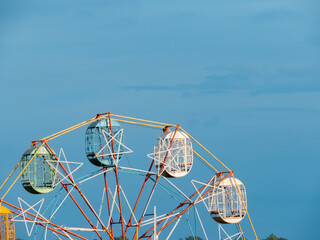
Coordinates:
[173,154]
[103,142]
[39,175]
[228,201]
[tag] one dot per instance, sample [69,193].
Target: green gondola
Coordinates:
[39,176]
[100,149]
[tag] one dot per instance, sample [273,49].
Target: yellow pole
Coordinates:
[58,134]
[205,148]
[241,231]
[205,160]
[22,171]
[137,229]
[245,207]
[10,174]
[142,120]
[68,128]
[137,123]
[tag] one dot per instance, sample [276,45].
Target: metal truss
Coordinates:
[115,200]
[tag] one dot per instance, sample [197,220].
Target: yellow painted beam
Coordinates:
[142,120]
[10,175]
[22,171]
[205,161]
[205,149]
[245,207]
[137,123]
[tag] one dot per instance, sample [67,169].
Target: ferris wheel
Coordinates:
[64,200]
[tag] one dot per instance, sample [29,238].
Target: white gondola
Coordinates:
[176,160]
[225,203]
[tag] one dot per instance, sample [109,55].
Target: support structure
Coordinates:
[159,225]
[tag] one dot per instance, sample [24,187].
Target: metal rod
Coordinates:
[155,223]
[158,176]
[108,201]
[117,179]
[255,234]
[81,194]
[40,218]
[35,154]
[205,150]
[190,204]
[142,120]
[10,174]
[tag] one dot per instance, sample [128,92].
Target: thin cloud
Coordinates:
[283,80]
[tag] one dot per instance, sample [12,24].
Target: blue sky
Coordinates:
[241,76]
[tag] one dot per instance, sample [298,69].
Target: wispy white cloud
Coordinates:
[282,80]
